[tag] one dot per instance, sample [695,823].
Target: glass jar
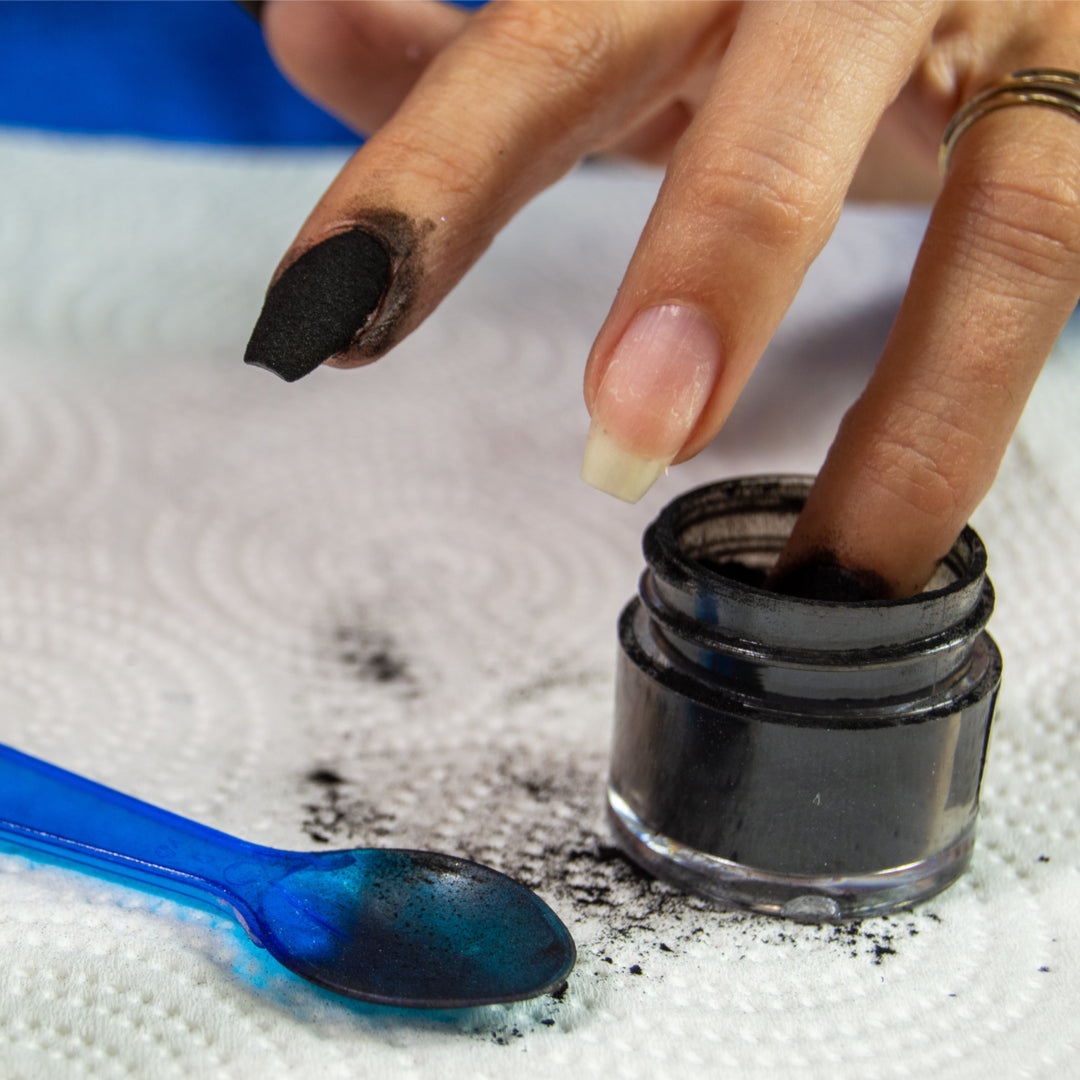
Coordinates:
[811,759]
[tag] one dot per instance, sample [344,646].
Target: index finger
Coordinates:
[512,103]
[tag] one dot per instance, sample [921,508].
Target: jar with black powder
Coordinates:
[816,759]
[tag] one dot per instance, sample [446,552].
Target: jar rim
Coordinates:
[688,582]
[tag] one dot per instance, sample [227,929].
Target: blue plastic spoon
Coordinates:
[406,928]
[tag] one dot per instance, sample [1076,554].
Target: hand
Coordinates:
[762,114]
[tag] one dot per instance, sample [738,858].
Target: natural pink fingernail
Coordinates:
[656,385]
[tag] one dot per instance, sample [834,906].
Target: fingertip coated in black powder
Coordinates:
[317,306]
[823,577]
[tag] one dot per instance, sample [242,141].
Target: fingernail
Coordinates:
[656,385]
[319,304]
[619,472]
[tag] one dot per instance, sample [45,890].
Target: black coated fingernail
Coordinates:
[824,578]
[317,306]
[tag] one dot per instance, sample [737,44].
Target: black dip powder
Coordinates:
[813,759]
[319,304]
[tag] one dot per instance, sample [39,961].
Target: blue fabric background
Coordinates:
[194,70]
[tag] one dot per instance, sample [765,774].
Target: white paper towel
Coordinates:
[214,585]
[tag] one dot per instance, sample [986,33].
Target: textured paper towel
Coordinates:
[214,585]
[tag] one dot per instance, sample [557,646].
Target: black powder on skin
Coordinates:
[822,576]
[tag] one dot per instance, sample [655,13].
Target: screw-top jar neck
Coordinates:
[707,549]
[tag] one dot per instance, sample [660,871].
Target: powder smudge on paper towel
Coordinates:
[542,823]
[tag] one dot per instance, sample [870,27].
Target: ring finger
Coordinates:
[996,279]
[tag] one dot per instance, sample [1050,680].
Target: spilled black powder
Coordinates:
[531,806]
[371,657]
[330,816]
[540,820]
[325,776]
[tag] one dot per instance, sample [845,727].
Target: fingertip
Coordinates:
[253,358]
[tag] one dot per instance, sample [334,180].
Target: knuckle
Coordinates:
[566,42]
[1028,217]
[775,202]
[454,166]
[926,462]
[876,24]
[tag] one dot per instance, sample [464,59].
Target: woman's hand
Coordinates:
[762,114]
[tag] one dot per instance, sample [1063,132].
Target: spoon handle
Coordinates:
[69,816]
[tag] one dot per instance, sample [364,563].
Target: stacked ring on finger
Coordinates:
[1053,88]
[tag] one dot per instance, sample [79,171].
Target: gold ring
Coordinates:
[1054,88]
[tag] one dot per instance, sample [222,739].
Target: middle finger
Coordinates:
[753,191]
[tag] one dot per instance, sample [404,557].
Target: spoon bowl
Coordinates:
[415,929]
